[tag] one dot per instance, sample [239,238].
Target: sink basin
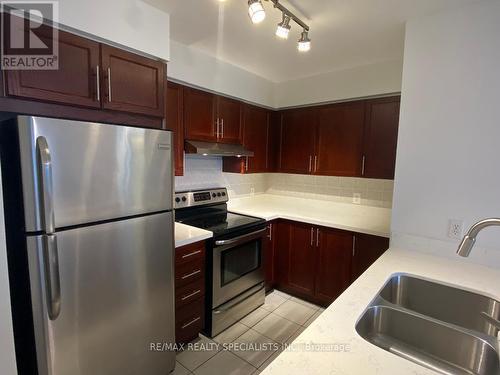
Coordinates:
[442,302]
[428,343]
[437,326]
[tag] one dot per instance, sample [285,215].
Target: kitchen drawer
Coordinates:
[189,293]
[190,253]
[189,321]
[186,273]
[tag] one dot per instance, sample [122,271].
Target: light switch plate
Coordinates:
[455,229]
[356,198]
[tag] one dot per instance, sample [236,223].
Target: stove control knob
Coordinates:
[184,199]
[219,194]
[214,195]
[223,194]
[177,200]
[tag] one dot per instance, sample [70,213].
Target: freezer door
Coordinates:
[98,171]
[115,298]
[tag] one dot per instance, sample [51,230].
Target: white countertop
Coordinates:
[186,234]
[352,217]
[337,323]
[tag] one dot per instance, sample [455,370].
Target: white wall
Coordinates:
[194,67]
[131,23]
[7,353]
[449,133]
[361,81]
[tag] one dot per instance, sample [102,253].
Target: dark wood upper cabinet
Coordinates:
[75,82]
[199,115]
[132,83]
[273,141]
[367,249]
[298,130]
[339,146]
[174,121]
[229,120]
[333,260]
[381,137]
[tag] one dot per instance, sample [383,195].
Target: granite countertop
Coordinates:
[337,324]
[352,217]
[186,234]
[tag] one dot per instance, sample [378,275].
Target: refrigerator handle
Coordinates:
[51,271]
[46,190]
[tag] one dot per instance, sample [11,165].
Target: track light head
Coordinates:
[304,42]
[283,27]
[256,11]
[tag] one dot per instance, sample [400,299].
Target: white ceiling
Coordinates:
[344,33]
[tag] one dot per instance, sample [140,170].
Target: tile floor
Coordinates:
[279,321]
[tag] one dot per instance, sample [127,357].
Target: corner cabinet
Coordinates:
[318,263]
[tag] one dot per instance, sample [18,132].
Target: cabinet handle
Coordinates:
[98,83]
[312,236]
[310,163]
[191,254]
[222,125]
[315,163]
[317,237]
[270,236]
[109,84]
[190,274]
[217,128]
[191,322]
[191,295]
[246,164]
[363,166]
[353,246]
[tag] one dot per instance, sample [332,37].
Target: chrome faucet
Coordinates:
[470,238]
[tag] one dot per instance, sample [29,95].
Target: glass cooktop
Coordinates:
[221,222]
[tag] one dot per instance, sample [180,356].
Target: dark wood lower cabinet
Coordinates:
[333,263]
[189,291]
[268,249]
[367,249]
[317,263]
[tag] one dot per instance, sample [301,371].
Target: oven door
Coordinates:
[237,265]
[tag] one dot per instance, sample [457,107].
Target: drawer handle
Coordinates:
[191,295]
[191,254]
[191,322]
[190,274]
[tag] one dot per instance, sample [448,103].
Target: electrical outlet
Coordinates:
[252,191]
[356,198]
[455,229]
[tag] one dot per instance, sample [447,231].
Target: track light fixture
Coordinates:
[283,27]
[256,11]
[257,14]
[304,42]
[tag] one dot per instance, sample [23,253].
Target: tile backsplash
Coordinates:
[204,172]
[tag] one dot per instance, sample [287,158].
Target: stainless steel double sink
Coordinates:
[446,329]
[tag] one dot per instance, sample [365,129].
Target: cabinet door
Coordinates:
[199,118]
[340,139]
[298,130]
[281,252]
[268,246]
[367,249]
[255,130]
[302,260]
[132,83]
[273,141]
[75,82]
[229,116]
[175,123]
[333,263]
[381,137]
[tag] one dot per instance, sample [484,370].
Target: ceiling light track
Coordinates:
[257,14]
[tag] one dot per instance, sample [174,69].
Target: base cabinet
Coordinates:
[189,291]
[318,263]
[268,249]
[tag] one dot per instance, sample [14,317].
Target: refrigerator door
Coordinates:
[102,295]
[98,171]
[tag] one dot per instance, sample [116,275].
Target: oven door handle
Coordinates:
[241,239]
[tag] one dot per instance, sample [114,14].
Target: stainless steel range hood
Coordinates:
[215,149]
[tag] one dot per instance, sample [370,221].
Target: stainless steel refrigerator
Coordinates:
[90,245]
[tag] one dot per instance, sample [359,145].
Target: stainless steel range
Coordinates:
[235,273]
